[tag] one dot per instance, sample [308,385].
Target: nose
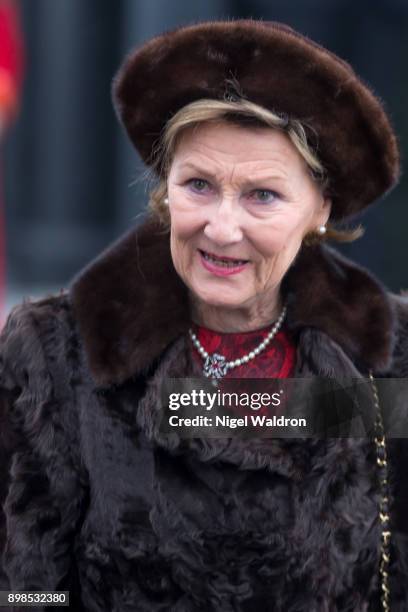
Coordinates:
[223,225]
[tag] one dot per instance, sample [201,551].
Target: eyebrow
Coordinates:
[247,182]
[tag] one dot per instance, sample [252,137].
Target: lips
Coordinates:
[220,265]
[221,260]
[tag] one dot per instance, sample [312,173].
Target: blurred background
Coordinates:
[69,181]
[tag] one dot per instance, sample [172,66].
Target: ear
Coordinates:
[325,210]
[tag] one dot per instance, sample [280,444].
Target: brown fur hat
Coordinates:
[280,70]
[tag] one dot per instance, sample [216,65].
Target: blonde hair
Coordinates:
[247,114]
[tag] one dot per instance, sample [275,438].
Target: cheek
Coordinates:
[185,220]
[276,251]
[179,249]
[183,242]
[284,236]
[269,242]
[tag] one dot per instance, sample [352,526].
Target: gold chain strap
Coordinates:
[382,463]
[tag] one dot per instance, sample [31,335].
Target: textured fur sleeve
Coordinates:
[400,358]
[42,492]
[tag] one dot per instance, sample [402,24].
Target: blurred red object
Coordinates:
[11,76]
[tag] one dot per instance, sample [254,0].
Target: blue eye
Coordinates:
[266,196]
[198,185]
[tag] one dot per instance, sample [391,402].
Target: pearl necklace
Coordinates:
[216,365]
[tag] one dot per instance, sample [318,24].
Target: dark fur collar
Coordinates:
[130,305]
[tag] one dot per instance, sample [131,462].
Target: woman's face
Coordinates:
[240,200]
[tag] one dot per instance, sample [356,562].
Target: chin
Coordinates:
[217,299]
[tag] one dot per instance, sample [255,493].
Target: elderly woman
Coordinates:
[262,142]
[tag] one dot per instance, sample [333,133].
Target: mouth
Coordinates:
[220,265]
[225,262]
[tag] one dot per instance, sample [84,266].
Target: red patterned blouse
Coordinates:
[277,360]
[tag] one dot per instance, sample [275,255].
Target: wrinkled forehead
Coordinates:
[225,145]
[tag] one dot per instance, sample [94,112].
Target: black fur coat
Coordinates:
[96,502]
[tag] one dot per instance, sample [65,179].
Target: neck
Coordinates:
[243,319]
